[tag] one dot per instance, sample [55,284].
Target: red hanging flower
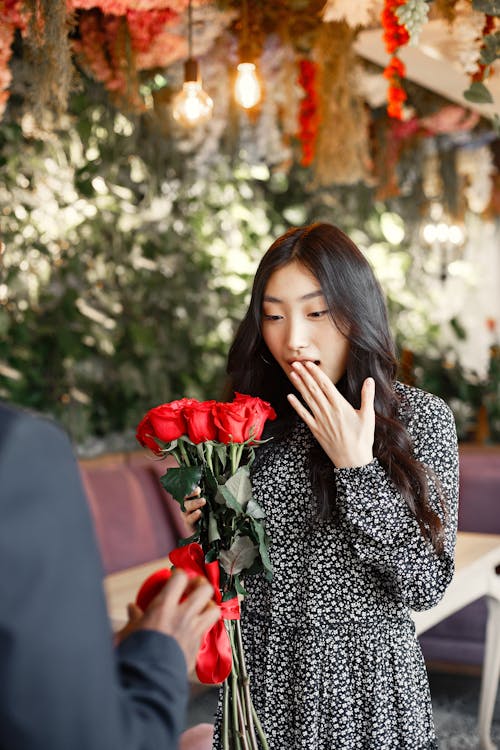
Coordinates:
[479,75]
[396,95]
[395,36]
[12,17]
[308,111]
[145,25]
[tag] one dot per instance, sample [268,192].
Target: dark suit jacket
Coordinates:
[62,687]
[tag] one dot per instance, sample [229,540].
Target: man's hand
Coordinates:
[186,621]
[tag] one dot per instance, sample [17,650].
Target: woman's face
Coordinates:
[296,325]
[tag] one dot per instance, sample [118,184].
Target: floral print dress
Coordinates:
[330,645]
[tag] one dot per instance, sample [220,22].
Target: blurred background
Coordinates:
[151,151]
[130,238]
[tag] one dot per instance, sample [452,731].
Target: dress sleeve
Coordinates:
[382,530]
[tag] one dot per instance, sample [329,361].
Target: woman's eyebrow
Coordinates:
[309,295]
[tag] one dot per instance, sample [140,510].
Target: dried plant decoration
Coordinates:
[49,59]
[444,9]
[342,152]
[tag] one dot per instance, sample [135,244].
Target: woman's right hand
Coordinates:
[193,503]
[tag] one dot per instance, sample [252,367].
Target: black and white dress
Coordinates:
[330,645]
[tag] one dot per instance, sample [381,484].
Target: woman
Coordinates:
[360,487]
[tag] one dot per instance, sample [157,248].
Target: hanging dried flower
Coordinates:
[413,15]
[11,18]
[342,151]
[121,7]
[144,26]
[477,169]
[105,50]
[464,38]
[446,9]
[482,68]
[48,53]
[308,111]
[361,13]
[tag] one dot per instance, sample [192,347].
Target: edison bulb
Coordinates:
[247,87]
[192,106]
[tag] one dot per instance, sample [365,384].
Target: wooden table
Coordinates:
[121,588]
[476,557]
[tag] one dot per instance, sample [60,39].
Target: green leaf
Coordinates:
[254,510]
[221,451]
[189,539]
[240,556]
[490,7]
[263,545]
[490,50]
[211,555]
[478,93]
[228,595]
[181,481]
[224,497]
[458,328]
[238,586]
[239,486]
[213,529]
[210,481]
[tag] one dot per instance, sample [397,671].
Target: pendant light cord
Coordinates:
[190,29]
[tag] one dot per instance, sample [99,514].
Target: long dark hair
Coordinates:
[357,307]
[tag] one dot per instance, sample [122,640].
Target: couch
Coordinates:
[459,640]
[137,521]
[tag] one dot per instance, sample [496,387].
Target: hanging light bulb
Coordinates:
[192,105]
[247,90]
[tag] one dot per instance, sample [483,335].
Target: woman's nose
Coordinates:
[296,336]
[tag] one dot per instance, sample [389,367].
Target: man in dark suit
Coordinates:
[62,686]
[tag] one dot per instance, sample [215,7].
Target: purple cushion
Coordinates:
[479,506]
[135,520]
[460,638]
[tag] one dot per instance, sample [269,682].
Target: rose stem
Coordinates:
[234,704]
[243,676]
[245,707]
[225,717]
[184,453]
[238,715]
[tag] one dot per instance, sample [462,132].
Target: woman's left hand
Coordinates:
[345,434]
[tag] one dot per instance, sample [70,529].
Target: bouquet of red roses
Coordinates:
[214,445]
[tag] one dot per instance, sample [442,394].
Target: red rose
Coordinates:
[200,423]
[243,418]
[145,435]
[259,412]
[168,419]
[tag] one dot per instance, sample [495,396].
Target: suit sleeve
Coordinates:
[383,532]
[62,687]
